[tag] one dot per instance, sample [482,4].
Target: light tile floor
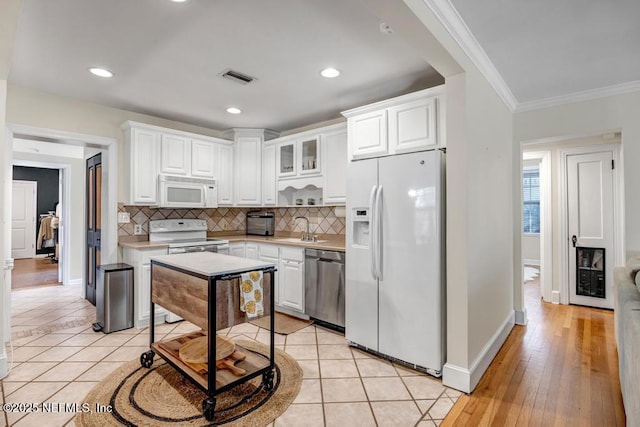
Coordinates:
[57,357]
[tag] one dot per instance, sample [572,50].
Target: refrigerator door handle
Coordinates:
[372,231]
[379,242]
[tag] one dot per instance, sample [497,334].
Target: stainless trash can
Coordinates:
[114,298]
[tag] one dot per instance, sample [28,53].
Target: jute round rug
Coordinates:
[161,396]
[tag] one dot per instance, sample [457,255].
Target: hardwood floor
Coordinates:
[559,370]
[33,272]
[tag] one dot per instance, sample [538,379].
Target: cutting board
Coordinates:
[195,351]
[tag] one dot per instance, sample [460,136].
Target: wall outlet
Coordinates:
[137,229]
[123,217]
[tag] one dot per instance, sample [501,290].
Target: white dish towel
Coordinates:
[251,287]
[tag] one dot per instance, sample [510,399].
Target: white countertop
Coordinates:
[211,264]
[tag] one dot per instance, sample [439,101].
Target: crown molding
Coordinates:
[587,95]
[452,21]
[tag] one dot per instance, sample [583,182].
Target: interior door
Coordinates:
[590,217]
[23,219]
[94,218]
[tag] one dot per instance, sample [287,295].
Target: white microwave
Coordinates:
[184,192]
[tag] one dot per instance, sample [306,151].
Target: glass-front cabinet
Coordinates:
[299,157]
[287,159]
[309,158]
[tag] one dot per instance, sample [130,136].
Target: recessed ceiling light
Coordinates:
[234,110]
[329,73]
[101,72]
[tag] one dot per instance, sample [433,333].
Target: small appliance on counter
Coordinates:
[261,223]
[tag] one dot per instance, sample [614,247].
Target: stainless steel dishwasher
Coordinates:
[324,286]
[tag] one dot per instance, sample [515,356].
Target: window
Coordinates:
[531,199]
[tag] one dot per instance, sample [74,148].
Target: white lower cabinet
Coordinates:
[291,281]
[251,250]
[140,260]
[237,249]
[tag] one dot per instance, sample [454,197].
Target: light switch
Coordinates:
[123,217]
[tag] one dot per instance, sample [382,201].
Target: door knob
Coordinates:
[574,239]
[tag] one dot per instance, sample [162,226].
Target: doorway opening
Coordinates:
[35,226]
[557,277]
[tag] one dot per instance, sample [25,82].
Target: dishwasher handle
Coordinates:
[325,255]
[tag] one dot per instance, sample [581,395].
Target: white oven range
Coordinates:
[184,236]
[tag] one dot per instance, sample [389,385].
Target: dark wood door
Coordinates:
[94,218]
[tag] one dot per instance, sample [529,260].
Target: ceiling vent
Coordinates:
[237,77]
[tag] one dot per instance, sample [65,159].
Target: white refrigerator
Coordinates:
[395,246]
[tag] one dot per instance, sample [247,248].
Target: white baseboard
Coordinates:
[74,282]
[535,262]
[466,380]
[521,316]
[555,297]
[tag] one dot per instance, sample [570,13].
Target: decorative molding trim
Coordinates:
[455,25]
[587,95]
[466,380]
[452,21]
[19,130]
[74,282]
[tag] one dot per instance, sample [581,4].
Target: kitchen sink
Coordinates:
[297,240]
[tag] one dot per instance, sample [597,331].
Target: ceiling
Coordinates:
[557,51]
[167,58]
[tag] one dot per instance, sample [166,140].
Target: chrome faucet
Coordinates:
[306,237]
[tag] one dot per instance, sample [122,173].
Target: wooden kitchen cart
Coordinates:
[203,289]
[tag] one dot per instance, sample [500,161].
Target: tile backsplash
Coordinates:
[322,220]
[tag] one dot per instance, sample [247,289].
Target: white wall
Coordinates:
[480,193]
[44,110]
[589,118]
[75,217]
[6,173]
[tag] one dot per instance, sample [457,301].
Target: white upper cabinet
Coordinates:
[248,170]
[269,187]
[405,124]
[203,157]
[175,155]
[368,135]
[412,126]
[286,159]
[142,149]
[298,157]
[225,175]
[335,177]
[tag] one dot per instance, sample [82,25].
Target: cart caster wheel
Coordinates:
[208,408]
[146,359]
[267,380]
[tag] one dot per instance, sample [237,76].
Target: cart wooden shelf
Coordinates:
[203,289]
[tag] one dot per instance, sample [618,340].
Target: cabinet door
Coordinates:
[368,135]
[286,159]
[144,301]
[309,156]
[251,250]
[291,282]
[203,158]
[237,249]
[225,175]
[269,188]
[175,155]
[248,170]
[335,175]
[412,126]
[143,172]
